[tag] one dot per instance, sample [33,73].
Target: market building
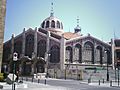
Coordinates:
[48,49]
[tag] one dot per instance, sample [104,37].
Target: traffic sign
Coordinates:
[15,55]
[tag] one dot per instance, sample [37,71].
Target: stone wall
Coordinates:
[2,25]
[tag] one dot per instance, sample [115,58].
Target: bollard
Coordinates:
[26,79]
[22,78]
[45,81]
[14,86]
[99,82]
[89,80]
[38,80]
[103,80]
[111,83]
[32,79]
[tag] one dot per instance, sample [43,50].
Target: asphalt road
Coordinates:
[71,84]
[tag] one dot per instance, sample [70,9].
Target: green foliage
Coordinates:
[5,75]
[1,77]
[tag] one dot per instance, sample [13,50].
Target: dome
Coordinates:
[53,24]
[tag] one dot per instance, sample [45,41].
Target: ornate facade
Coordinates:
[50,49]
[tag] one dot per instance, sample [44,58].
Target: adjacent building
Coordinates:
[2,24]
[115,52]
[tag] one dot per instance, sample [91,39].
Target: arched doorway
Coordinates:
[25,66]
[40,66]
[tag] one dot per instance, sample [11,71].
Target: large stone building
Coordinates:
[49,49]
[2,24]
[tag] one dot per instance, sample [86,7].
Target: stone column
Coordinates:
[113,53]
[62,53]
[2,25]
[73,53]
[82,50]
[93,61]
[32,69]
[47,51]
[48,42]
[23,43]
[95,53]
[35,43]
[103,56]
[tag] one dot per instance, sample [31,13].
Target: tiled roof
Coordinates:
[69,35]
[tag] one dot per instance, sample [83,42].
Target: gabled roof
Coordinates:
[89,36]
[17,36]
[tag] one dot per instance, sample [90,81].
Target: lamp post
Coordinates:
[107,66]
[107,72]
[118,66]
[118,75]
[65,71]
[15,55]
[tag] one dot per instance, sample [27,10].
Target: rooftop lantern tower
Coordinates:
[78,28]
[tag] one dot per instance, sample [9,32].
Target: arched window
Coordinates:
[41,48]
[99,55]
[53,24]
[47,24]
[58,24]
[29,45]
[68,57]
[55,54]
[88,53]
[77,53]
[43,24]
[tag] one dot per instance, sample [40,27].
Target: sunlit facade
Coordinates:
[50,49]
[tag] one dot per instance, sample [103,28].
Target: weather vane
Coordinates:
[78,20]
[52,9]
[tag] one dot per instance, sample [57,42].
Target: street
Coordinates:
[61,84]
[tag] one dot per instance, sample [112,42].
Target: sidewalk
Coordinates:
[32,86]
[38,86]
[102,84]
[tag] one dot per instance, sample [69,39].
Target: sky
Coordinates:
[100,18]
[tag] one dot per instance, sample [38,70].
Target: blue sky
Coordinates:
[100,18]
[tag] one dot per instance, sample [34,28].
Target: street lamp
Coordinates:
[107,66]
[118,66]
[15,55]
